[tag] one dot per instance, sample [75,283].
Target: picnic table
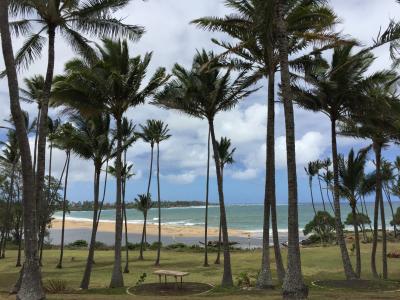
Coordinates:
[171,273]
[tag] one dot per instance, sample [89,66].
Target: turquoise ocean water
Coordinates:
[248,217]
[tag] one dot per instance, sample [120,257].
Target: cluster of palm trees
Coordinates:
[103,82]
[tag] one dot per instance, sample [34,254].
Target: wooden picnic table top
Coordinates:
[171,273]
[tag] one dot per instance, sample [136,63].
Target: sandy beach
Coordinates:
[152,229]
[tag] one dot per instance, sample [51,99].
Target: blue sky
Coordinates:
[183,157]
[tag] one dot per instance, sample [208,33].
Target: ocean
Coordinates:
[247,217]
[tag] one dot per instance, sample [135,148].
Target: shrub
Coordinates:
[177,246]
[55,286]
[321,226]
[101,246]
[141,279]
[78,244]
[154,246]
[246,280]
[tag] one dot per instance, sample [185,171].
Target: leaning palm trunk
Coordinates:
[159,206]
[8,214]
[357,241]
[348,268]
[312,196]
[218,259]
[60,260]
[142,240]
[227,280]
[387,193]
[104,195]
[36,139]
[322,195]
[29,285]
[148,191]
[378,203]
[206,216]
[264,279]
[293,285]
[117,279]
[89,262]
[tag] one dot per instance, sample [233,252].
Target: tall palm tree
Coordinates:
[253,27]
[115,84]
[376,120]
[351,175]
[33,93]
[320,165]
[128,137]
[28,286]
[334,90]
[226,157]
[293,284]
[327,177]
[203,92]
[388,178]
[10,159]
[74,20]
[65,140]
[311,171]
[148,136]
[91,140]
[161,133]
[143,204]
[53,127]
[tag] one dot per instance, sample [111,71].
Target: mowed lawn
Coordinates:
[319,263]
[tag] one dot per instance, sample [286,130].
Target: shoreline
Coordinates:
[151,229]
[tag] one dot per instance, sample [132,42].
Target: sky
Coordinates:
[183,157]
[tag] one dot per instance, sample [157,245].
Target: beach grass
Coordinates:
[319,263]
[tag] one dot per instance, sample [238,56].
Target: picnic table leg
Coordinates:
[176,282]
[159,277]
[181,282]
[165,276]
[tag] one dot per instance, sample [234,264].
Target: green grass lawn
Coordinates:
[319,263]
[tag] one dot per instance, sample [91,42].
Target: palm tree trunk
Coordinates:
[378,202]
[104,194]
[357,241]
[206,216]
[366,211]
[148,187]
[348,268]
[43,209]
[293,285]
[227,280]
[159,206]
[218,259]
[320,189]
[312,196]
[18,264]
[142,240]
[8,210]
[43,122]
[264,279]
[36,139]
[126,269]
[329,198]
[117,279]
[29,285]
[60,260]
[387,193]
[89,262]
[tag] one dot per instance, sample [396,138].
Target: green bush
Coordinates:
[322,226]
[154,246]
[78,244]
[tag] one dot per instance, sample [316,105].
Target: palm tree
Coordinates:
[311,171]
[128,137]
[376,120]
[64,139]
[333,92]
[115,84]
[320,165]
[10,159]
[253,27]
[327,177]
[74,20]
[143,204]
[126,175]
[226,157]
[203,92]
[160,134]
[28,286]
[34,94]
[293,284]
[351,175]
[387,184]
[53,127]
[148,136]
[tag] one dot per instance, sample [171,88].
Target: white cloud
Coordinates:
[181,178]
